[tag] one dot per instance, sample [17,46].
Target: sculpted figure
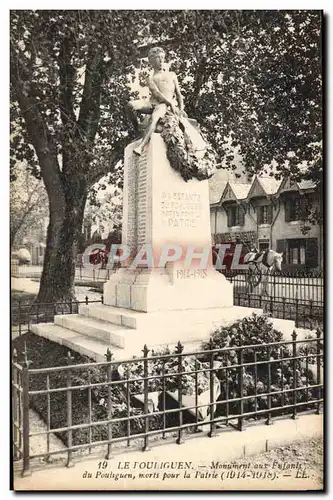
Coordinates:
[187,150]
[163,85]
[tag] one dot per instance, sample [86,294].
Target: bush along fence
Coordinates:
[244,374]
[24,312]
[296,295]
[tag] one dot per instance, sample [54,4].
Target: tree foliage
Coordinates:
[28,206]
[249,77]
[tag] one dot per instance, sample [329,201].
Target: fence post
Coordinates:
[283,307]
[271,307]
[196,367]
[108,357]
[179,350]
[269,386]
[255,384]
[25,417]
[310,309]
[296,313]
[69,360]
[294,337]
[212,431]
[20,321]
[318,334]
[145,395]
[48,398]
[240,388]
[16,403]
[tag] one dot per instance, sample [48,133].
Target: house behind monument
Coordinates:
[267,213]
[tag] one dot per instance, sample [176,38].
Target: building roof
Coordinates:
[269,184]
[217,184]
[306,184]
[241,190]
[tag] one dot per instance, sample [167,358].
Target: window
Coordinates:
[235,216]
[265,214]
[296,252]
[263,245]
[294,209]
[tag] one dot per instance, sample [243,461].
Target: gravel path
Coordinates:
[310,453]
[30,286]
[38,444]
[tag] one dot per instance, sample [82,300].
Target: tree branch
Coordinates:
[41,137]
[66,74]
[105,167]
[86,101]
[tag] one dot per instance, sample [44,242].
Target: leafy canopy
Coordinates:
[252,79]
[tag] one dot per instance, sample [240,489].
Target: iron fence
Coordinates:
[293,285]
[26,312]
[305,314]
[159,395]
[295,295]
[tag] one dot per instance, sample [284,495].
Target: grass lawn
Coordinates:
[88,405]
[24,297]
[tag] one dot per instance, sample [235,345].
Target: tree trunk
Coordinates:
[66,218]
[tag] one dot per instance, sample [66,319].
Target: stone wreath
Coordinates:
[181,152]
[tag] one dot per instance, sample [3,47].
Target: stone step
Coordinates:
[113,315]
[98,327]
[108,333]
[166,320]
[93,348]
[96,349]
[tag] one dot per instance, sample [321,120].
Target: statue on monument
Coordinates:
[187,150]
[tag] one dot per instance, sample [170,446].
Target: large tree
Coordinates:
[249,77]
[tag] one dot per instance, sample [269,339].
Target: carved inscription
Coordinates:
[191,274]
[142,199]
[180,209]
[131,201]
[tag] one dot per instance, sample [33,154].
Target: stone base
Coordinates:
[150,290]
[99,327]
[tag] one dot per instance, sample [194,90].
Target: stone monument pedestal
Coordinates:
[160,211]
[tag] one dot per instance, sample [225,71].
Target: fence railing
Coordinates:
[305,314]
[24,313]
[294,295]
[296,285]
[175,394]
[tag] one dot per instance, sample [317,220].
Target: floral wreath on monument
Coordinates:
[181,152]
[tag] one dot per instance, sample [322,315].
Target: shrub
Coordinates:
[256,330]
[167,366]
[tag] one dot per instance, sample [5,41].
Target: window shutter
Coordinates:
[259,215]
[303,210]
[311,252]
[241,216]
[280,246]
[229,214]
[287,207]
[270,214]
